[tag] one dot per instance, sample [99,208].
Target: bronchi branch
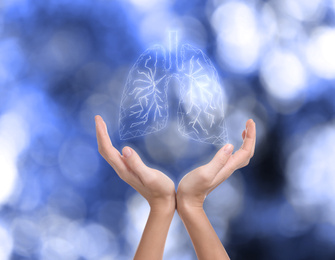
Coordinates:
[145,92]
[202,92]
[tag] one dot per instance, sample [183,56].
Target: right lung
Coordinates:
[144,105]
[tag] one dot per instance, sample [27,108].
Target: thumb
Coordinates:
[133,160]
[220,159]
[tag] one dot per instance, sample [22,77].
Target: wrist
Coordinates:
[163,205]
[187,211]
[187,205]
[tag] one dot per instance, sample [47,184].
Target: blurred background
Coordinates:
[62,62]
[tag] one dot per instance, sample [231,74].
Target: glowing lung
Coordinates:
[144,105]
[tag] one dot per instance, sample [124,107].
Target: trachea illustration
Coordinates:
[144,105]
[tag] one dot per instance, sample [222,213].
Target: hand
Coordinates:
[197,184]
[153,185]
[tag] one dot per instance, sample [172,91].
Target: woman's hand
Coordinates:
[153,185]
[159,191]
[197,184]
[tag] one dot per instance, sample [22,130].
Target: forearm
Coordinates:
[151,246]
[206,243]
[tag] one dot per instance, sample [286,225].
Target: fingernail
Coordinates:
[228,148]
[126,152]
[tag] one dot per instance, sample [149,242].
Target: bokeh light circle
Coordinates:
[320,52]
[283,74]
[310,174]
[239,40]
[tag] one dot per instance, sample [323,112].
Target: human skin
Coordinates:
[153,185]
[197,184]
[159,191]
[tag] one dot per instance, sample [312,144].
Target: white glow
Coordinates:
[155,25]
[92,249]
[269,23]
[137,215]
[193,31]
[146,5]
[302,9]
[13,133]
[57,248]
[283,74]
[58,240]
[13,139]
[8,175]
[238,40]
[6,243]
[26,235]
[321,52]
[67,239]
[310,173]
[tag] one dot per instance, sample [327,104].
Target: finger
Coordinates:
[243,155]
[106,149]
[219,160]
[246,127]
[249,122]
[134,162]
[240,157]
[250,135]
[254,144]
[101,131]
[217,181]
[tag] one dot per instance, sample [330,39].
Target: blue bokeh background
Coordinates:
[62,62]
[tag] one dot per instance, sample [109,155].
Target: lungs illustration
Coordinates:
[144,103]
